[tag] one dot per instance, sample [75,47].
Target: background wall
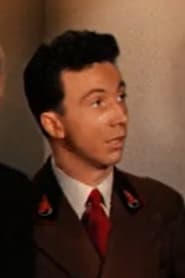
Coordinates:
[21,30]
[151,35]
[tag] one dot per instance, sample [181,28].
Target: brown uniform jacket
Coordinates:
[147,238]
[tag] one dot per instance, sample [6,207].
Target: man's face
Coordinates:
[95,117]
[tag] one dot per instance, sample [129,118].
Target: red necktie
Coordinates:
[96,222]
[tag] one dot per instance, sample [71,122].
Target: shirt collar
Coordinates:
[77,192]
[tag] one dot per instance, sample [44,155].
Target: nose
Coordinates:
[119,114]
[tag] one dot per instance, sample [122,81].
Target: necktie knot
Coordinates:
[95,199]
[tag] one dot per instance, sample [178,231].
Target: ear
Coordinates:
[52,124]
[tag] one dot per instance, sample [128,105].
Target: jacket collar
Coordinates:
[49,194]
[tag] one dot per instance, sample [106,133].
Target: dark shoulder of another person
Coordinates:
[15,191]
[16,223]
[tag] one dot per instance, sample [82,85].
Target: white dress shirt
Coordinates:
[77,192]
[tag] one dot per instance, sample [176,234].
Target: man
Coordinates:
[15,215]
[91,219]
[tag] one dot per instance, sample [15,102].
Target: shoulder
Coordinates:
[14,182]
[16,222]
[10,172]
[156,195]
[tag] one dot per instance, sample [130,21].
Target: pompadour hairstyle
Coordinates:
[72,50]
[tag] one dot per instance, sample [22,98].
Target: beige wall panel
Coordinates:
[21,29]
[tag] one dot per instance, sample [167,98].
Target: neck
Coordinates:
[80,169]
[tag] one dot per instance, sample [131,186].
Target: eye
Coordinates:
[121,97]
[98,102]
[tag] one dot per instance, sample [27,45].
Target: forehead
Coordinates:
[103,75]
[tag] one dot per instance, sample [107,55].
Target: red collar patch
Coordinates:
[44,207]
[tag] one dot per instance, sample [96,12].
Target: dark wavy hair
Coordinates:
[72,50]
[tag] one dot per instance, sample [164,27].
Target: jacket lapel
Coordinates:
[61,236]
[131,240]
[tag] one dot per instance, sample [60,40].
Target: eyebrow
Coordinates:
[100,90]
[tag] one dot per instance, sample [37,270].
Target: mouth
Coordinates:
[118,138]
[117,142]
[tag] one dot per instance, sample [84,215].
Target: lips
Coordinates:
[115,139]
[116,142]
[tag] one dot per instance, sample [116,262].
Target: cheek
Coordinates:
[98,119]
[94,126]
[86,124]
[103,118]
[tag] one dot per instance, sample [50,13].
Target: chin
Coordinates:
[111,161]
[106,159]
[114,162]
